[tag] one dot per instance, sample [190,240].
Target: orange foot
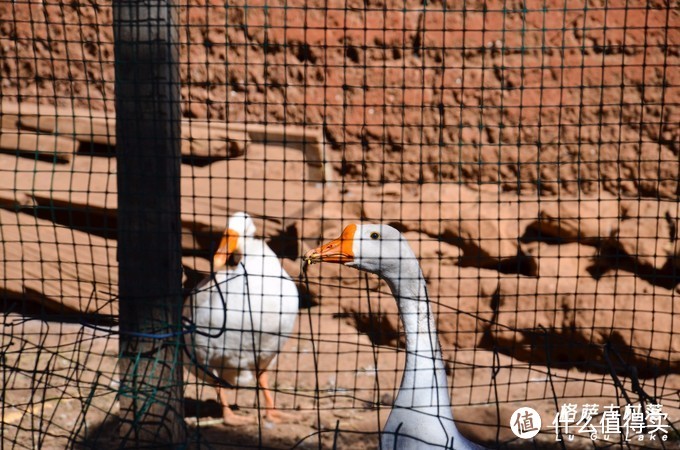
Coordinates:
[271,413]
[228,416]
[231,419]
[276,416]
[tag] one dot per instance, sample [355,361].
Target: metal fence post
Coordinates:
[149,235]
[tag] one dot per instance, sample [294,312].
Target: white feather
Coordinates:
[243,315]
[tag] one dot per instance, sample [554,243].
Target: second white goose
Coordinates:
[421,416]
[242,315]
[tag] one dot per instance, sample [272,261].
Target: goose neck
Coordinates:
[424,367]
[418,321]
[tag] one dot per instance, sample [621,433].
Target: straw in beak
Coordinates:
[336,251]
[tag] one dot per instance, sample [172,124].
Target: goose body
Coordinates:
[243,314]
[421,416]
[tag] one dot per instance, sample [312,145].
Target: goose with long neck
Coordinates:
[242,314]
[421,416]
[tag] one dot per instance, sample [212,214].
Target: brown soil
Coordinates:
[551,281]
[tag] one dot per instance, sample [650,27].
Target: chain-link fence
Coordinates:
[528,151]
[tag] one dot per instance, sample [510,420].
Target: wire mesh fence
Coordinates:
[527,151]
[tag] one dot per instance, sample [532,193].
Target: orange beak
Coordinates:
[226,248]
[337,251]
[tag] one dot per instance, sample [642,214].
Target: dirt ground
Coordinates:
[528,150]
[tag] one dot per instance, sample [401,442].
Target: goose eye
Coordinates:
[375,235]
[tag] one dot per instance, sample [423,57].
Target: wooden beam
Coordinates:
[62,269]
[9,121]
[200,138]
[21,142]
[209,196]
[307,139]
[212,140]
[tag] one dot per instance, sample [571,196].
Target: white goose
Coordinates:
[243,315]
[421,416]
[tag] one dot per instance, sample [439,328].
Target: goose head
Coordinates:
[375,248]
[239,227]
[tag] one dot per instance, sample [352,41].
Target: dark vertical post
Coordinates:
[149,240]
